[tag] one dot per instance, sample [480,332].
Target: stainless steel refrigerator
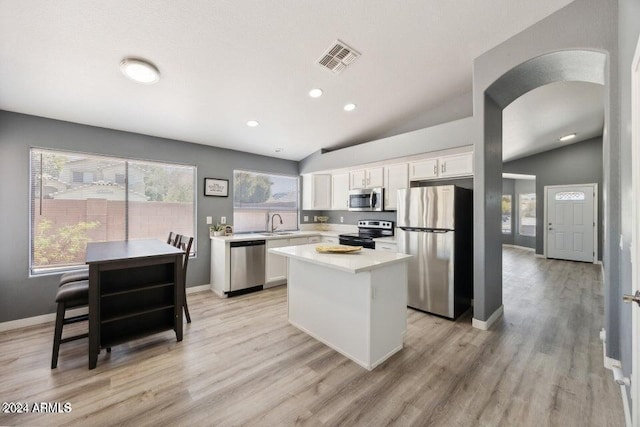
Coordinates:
[435,224]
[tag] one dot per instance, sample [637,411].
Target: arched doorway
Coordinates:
[566,65]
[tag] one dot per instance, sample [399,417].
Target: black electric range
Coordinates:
[368,229]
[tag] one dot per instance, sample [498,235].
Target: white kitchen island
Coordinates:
[354,303]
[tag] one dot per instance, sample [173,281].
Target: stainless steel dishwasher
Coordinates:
[247,264]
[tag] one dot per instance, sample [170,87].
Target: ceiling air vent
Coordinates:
[338,57]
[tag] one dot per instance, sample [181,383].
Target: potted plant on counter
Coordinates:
[217,230]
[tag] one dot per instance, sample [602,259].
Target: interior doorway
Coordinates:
[571,222]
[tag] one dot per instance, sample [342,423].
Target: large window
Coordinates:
[506,214]
[257,197]
[527,214]
[78,198]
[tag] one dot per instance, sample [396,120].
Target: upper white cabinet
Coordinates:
[442,167]
[423,169]
[340,191]
[395,178]
[456,165]
[316,191]
[366,178]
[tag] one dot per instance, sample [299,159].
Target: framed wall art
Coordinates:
[216,187]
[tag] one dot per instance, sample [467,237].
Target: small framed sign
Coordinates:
[216,187]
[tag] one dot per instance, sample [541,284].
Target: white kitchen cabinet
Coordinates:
[366,178]
[456,165]
[423,169]
[333,240]
[340,191]
[395,178]
[275,265]
[387,247]
[442,167]
[298,241]
[316,191]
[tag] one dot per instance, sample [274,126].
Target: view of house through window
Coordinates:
[506,213]
[527,214]
[78,198]
[257,197]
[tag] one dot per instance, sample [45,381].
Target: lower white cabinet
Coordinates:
[330,239]
[275,265]
[387,247]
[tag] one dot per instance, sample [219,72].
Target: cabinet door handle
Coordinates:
[443,168]
[435,169]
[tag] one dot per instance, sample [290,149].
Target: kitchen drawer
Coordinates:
[386,247]
[314,239]
[330,239]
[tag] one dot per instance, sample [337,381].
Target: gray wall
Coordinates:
[579,163]
[539,55]
[628,32]
[21,296]
[448,135]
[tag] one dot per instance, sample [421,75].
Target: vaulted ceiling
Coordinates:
[223,63]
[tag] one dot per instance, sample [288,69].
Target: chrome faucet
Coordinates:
[272,227]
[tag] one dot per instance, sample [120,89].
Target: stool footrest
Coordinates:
[76,319]
[76,337]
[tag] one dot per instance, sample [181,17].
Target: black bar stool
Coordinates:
[70,295]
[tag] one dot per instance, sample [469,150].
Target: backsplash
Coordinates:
[350,218]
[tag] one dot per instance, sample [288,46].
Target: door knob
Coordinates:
[632,298]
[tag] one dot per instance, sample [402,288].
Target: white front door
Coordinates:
[571,222]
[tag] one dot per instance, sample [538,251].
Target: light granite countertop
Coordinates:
[355,262]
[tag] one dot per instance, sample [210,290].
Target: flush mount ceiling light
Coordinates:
[315,93]
[568,137]
[349,107]
[139,70]
[252,123]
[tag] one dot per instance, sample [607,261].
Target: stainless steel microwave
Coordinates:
[369,199]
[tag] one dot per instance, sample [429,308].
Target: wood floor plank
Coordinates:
[241,363]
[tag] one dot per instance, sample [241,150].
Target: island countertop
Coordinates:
[356,262]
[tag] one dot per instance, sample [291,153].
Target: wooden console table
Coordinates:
[135,289]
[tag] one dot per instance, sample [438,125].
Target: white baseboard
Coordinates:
[486,324]
[51,317]
[194,289]
[615,367]
[526,248]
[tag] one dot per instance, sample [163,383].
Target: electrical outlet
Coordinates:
[223,220]
[209,220]
[341,219]
[306,218]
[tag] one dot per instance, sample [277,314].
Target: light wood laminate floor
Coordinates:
[241,363]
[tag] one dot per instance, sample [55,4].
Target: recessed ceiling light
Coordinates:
[252,123]
[349,107]
[279,150]
[568,137]
[315,93]
[139,70]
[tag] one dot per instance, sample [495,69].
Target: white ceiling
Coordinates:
[226,62]
[534,122]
